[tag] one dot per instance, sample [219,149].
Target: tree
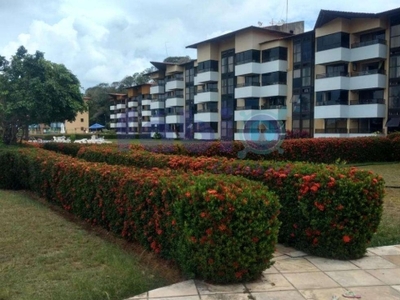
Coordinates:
[99,104]
[34,90]
[177,59]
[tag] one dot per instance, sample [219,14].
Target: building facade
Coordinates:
[341,79]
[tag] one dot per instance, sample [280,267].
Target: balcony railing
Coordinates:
[207,90]
[261,107]
[331,130]
[367,101]
[332,102]
[367,43]
[178,78]
[174,96]
[258,130]
[248,84]
[363,130]
[273,83]
[207,70]
[332,74]
[174,113]
[207,110]
[368,72]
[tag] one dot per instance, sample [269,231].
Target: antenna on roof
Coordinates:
[260,23]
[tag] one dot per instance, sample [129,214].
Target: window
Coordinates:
[82,120]
[394,68]
[395,36]
[252,80]
[394,97]
[274,78]
[189,75]
[278,53]
[231,85]
[227,130]
[189,93]
[306,74]
[335,125]
[335,97]
[247,57]
[207,66]
[297,52]
[336,70]
[335,40]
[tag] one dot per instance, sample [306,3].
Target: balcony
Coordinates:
[121,125]
[274,66]
[332,81]
[331,111]
[248,68]
[132,114]
[172,135]
[113,116]
[174,102]
[248,90]
[369,50]
[175,119]
[207,76]
[278,89]
[370,79]
[372,108]
[247,135]
[210,95]
[132,104]
[146,101]
[121,115]
[206,135]
[331,133]
[332,55]
[146,113]
[133,124]
[262,113]
[206,115]
[157,89]
[175,85]
[157,119]
[157,105]
[112,107]
[113,125]
[146,124]
[121,106]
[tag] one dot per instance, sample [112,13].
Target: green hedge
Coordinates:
[216,227]
[327,210]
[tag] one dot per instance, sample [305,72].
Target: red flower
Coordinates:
[255,239]
[346,239]
[187,194]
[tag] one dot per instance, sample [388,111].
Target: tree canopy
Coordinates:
[34,90]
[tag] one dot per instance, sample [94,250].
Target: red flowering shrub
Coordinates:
[216,227]
[320,203]
[317,150]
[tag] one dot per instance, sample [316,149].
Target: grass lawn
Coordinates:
[389,230]
[45,256]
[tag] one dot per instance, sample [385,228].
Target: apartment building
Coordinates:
[340,79]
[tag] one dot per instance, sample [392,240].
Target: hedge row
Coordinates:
[323,150]
[327,210]
[217,228]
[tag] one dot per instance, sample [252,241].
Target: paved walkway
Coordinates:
[297,276]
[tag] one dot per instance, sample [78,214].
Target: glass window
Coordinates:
[335,40]
[278,53]
[207,66]
[274,78]
[297,52]
[394,68]
[247,57]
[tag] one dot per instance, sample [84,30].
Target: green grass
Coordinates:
[45,256]
[389,229]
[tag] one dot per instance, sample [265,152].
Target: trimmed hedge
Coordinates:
[327,210]
[216,227]
[321,150]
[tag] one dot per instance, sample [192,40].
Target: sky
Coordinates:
[102,41]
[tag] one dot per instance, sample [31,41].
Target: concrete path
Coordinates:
[297,276]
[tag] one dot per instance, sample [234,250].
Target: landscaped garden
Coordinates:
[216,217]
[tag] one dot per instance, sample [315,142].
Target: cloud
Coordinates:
[103,41]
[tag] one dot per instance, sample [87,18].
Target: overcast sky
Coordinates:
[105,40]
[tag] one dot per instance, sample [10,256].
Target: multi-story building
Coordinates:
[341,79]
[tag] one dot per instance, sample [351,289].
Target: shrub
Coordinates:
[396,147]
[327,210]
[217,228]
[322,150]
[296,134]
